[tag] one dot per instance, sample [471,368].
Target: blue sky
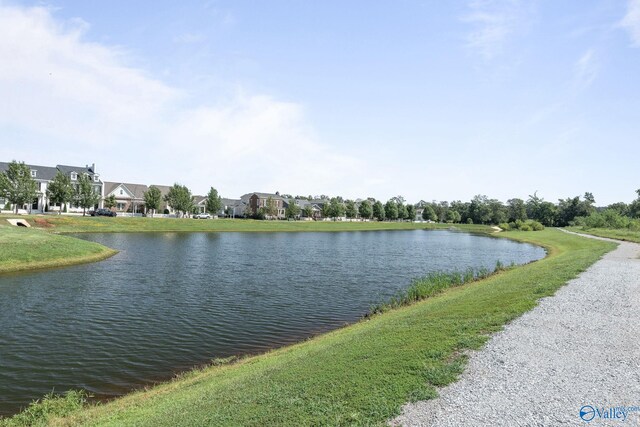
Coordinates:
[426,99]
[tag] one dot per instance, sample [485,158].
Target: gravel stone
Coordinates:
[579,347]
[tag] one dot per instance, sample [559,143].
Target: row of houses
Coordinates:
[129,197]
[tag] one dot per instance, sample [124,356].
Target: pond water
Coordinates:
[169,301]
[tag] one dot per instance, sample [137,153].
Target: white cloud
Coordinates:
[586,70]
[66,100]
[494,22]
[631,21]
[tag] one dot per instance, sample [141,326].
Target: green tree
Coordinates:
[391,210]
[213,203]
[411,212]
[350,210]
[152,199]
[60,190]
[336,208]
[365,209]
[428,214]
[110,202]
[402,210]
[498,211]
[17,185]
[378,210]
[480,210]
[634,207]
[271,208]
[307,211]
[516,210]
[85,195]
[293,210]
[179,198]
[453,216]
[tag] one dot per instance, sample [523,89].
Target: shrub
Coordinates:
[535,225]
[8,206]
[433,284]
[52,405]
[525,227]
[504,226]
[469,221]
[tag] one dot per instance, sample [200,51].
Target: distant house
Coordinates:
[164,206]
[43,175]
[255,201]
[129,197]
[233,208]
[200,203]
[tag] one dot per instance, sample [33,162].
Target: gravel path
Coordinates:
[580,347]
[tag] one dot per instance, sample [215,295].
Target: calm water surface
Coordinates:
[169,301]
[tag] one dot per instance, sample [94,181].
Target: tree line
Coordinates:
[18,187]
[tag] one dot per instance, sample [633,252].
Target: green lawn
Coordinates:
[78,224]
[27,249]
[359,375]
[618,234]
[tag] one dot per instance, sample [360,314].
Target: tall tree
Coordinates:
[59,190]
[428,214]
[480,210]
[391,210]
[85,195]
[179,198]
[17,185]
[411,212]
[336,207]
[307,211]
[516,209]
[152,199]
[214,202]
[378,210]
[110,202]
[293,210]
[402,210]
[271,209]
[350,209]
[453,216]
[365,209]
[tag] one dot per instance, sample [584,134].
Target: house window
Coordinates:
[121,193]
[121,206]
[96,178]
[74,176]
[33,173]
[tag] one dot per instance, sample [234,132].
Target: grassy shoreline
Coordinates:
[611,233]
[72,224]
[26,249]
[357,375]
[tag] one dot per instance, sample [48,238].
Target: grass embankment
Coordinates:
[612,233]
[363,373]
[28,249]
[73,224]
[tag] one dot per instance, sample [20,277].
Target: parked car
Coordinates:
[102,212]
[202,216]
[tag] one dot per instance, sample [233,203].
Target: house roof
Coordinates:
[44,173]
[232,202]
[137,190]
[80,169]
[164,189]
[198,200]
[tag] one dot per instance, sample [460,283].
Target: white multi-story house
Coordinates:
[43,175]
